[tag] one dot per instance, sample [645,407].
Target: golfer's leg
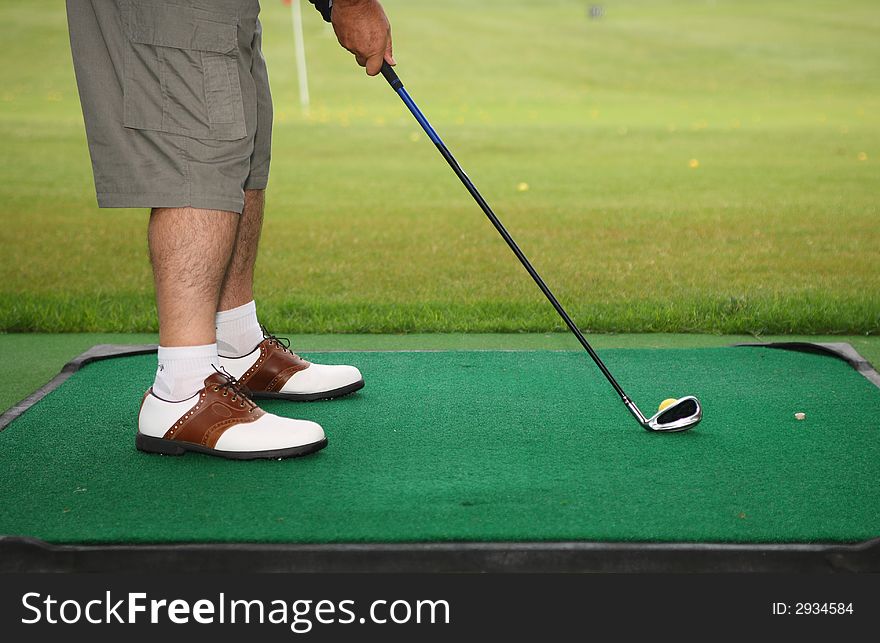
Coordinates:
[238,286]
[190,251]
[238,330]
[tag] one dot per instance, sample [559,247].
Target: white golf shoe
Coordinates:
[221,420]
[272,370]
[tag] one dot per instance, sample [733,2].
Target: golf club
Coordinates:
[682,415]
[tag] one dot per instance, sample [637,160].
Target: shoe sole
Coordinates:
[162,446]
[308,397]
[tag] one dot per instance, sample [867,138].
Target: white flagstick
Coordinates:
[300,47]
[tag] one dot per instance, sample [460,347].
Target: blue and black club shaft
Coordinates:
[396,84]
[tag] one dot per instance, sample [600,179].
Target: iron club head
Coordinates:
[684,414]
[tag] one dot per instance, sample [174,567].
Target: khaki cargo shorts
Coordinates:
[175,98]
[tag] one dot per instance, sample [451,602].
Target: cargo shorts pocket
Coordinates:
[181,71]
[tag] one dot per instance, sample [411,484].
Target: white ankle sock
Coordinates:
[182,371]
[238,331]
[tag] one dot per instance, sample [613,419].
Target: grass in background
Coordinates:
[774,229]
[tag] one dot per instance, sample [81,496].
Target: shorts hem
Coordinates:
[256,183]
[148,200]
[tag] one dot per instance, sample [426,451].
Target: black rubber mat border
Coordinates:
[29,555]
[22,554]
[840,350]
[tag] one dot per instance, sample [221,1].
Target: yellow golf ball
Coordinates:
[666,403]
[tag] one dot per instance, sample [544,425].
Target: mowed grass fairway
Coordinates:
[692,167]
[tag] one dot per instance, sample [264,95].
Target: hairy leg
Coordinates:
[238,286]
[190,251]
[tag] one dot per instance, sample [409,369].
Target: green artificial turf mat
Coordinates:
[474,446]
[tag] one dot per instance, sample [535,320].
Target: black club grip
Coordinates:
[391,76]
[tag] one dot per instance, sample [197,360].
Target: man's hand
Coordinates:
[363,28]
